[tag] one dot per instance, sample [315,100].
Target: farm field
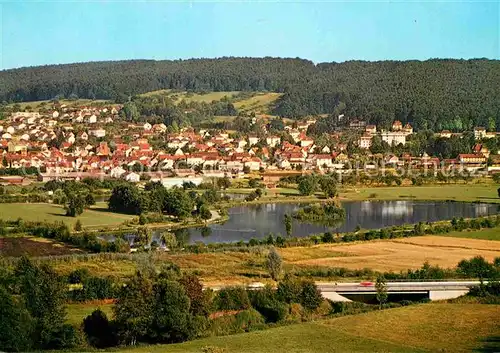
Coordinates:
[419,328]
[32,246]
[396,255]
[96,217]
[230,267]
[455,192]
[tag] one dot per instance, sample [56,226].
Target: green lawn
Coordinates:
[98,216]
[455,192]
[77,312]
[260,102]
[420,328]
[486,234]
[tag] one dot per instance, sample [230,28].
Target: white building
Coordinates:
[394,137]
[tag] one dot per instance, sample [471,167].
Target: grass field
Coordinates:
[191,97]
[486,234]
[419,328]
[31,246]
[259,103]
[98,216]
[395,255]
[458,192]
[77,312]
[230,267]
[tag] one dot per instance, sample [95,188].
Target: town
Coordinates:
[72,143]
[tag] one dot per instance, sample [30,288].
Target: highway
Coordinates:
[340,287]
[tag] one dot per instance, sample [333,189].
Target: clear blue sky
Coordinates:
[35,33]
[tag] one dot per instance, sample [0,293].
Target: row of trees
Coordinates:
[127,198]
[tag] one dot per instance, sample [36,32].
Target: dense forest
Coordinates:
[435,94]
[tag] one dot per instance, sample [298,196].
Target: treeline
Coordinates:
[476,267]
[434,94]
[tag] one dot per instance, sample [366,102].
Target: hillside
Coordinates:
[420,328]
[435,94]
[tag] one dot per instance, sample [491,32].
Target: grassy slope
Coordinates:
[259,103]
[98,216]
[77,312]
[429,327]
[459,192]
[486,234]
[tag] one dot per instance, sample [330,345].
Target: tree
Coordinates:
[44,294]
[287,220]
[16,325]
[274,264]
[132,309]
[205,213]
[178,203]
[329,187]
[224,182]
[310,295]
[126,198]
[98,329]
[200,299]
[89,200]
[307,185]
[170,240]
[75,205]
[78,226]
[477,267]
[171,320]
[381,288]
[144,234]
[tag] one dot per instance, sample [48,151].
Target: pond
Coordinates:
[257,221]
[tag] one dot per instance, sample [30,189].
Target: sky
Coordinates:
[55,32]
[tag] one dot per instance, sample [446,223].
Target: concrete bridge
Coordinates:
[434,290]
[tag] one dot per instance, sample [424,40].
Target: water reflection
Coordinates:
[257,221]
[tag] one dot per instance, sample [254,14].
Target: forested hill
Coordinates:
[437,94]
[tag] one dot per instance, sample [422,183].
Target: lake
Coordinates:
[257,221]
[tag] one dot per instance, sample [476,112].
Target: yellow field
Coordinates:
[419,328]
[433,327]
[394,255]
[259,103]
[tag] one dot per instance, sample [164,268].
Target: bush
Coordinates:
[266,302]
[232,298]
[99,331]
[244,321]
[310,296]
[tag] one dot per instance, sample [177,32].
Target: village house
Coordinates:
[99,133]
[371,129]
[393,137]
[397,125]
[273,141]
[252,140]
[365,142]
[479,133]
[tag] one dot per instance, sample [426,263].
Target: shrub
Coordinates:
[99,331]
[232,298]
[310,296]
